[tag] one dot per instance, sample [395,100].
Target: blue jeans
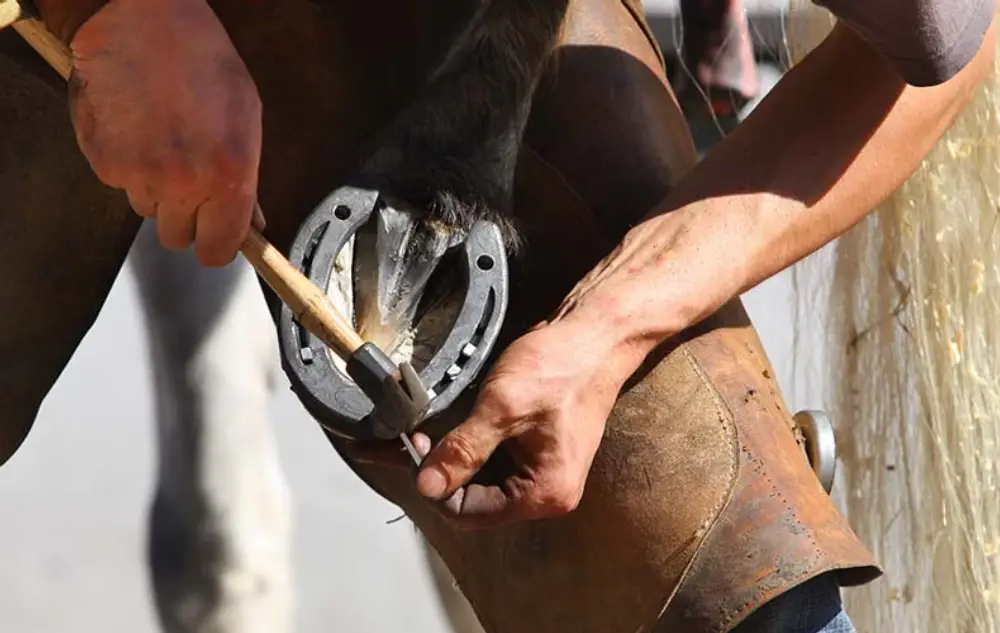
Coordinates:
[813,607]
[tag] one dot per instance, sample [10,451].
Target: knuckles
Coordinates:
[559,495]
[194,167]
[184,174]
[503,401]
[562,503]
[196,145]
[461,452]
[555,494]
[176,173]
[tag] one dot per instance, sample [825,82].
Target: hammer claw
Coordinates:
[418,393]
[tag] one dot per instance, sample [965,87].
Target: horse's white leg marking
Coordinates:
[457,608]
[220,526]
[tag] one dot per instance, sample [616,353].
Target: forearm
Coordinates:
[840,137]
[65,17]
[837,136]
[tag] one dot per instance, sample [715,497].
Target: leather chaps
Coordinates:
[700,506]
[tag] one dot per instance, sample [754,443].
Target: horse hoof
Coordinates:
[387,256]
[820,445]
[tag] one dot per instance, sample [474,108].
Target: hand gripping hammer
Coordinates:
[399,398]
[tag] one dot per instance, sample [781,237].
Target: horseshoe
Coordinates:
[329,395]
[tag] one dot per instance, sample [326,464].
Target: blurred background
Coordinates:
[75,499]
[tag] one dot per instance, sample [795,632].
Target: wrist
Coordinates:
[63,18]
[621,354]
[607,311]
[98,24]
[669,273]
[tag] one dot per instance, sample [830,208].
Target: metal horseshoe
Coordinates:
[329,395]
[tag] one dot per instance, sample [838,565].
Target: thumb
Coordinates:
[459,456]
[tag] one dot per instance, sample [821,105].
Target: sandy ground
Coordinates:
[74,501]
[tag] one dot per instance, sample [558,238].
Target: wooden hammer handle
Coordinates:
[308,302]
[310,305]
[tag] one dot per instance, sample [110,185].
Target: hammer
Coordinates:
[396,391]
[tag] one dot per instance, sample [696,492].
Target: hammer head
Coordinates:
[401,401]
[394,273]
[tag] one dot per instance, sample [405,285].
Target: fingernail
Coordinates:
[422,444]
[431,483]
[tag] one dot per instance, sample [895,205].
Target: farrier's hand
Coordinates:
[165,109]
[547,399]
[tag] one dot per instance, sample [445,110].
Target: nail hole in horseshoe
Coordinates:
[484,262]
[342,212]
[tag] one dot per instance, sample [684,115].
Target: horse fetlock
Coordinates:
[444,164]
[453,153]
[451,160]
[211,575]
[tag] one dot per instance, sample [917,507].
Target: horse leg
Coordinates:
[457,609]
[449,158]
[219,529]
[63,238]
